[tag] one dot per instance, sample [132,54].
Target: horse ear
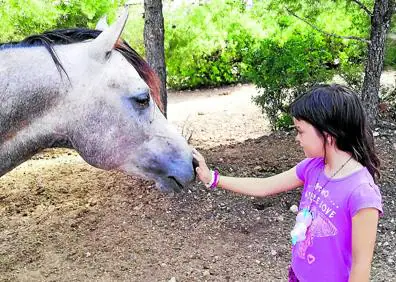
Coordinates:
[102,24]
[105,42]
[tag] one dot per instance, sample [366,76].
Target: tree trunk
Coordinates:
[154,43]
[380,23]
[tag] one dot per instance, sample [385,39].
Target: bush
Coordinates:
[206,45]
[283,71]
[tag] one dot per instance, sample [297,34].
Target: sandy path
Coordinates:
[217,116]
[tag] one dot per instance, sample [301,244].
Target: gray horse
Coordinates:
[88,90]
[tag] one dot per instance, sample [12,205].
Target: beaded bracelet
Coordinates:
[214,181]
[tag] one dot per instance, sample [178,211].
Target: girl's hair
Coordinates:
[338,111]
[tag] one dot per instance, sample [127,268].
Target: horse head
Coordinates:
[103,101]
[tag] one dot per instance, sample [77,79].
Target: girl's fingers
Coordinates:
[202,169]
[199,158]
[195,152]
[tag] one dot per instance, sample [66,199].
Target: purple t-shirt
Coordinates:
[326,253]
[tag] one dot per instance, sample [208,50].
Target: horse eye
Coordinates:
[142,100]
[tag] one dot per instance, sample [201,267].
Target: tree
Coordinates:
[380,23]
[154,43]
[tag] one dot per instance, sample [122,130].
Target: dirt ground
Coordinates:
[62,220]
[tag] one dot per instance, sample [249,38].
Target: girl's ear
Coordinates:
[329,139]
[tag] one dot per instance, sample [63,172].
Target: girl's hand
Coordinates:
[202,170]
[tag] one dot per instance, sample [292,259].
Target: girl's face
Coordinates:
[309,138]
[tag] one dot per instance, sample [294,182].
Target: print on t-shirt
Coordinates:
[322,208]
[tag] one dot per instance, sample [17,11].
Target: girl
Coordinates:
[335,231]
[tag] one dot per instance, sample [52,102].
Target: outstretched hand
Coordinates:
[202,170]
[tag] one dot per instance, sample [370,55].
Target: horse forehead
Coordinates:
[78,55]
[82,66]
[120,66]
[120,73]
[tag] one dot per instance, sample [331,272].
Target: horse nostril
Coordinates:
[195,165]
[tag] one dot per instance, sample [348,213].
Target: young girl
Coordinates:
[335,231]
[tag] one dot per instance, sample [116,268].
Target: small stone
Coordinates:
[294,209]
[273,252]
[257,261]
[87,254]
[391,260]
[173,279]
[257,168]
[375,133]
[206,273]
[138,207]
[92,202]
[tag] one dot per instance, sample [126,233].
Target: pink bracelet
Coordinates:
[216,178]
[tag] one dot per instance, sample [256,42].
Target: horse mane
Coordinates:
[76,35]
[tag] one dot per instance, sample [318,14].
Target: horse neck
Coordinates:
[29,88]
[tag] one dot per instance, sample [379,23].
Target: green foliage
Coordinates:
[221,42]
[284,121]
[19,19]
[86,13]
[390,54]
[206,45]
[133,32]
[284,70]
[295,56]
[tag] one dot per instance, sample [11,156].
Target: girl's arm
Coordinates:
[364,231]
[250,186]
[261,187]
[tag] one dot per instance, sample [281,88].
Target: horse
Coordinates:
[90,91]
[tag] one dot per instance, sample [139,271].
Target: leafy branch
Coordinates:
[326,33]
[362,6]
